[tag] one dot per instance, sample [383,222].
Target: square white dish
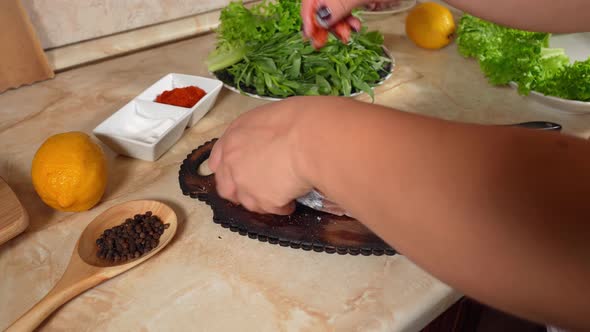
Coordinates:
[174,80]
[143,129]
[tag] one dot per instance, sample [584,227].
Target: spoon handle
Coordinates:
[539,125]
[69,286]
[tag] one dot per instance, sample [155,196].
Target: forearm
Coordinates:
[534,15]
[499,213]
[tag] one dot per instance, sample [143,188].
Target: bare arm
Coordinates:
[535,15]
[501,214]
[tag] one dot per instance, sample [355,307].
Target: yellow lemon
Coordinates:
[70,172]
[430,25]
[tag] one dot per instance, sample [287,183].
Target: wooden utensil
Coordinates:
[86,270]
[13,217]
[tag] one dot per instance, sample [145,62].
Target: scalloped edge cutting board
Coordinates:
[13,217]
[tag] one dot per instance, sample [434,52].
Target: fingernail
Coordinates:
[324,13]
[321,22]
[355,29]
[322,16]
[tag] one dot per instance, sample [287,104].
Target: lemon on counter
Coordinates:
[430,25]
[70,172]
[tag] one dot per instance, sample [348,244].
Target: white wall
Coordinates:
[63,22]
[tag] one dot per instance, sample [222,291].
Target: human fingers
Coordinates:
[355,23]
[284,210]
[320,38]
[325,13]
[249,203]
[342,31]
[308,9]
[217,150]
[330,12]
[225,185]
[215,156]
[319,16]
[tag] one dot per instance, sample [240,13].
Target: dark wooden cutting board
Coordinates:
[306,228]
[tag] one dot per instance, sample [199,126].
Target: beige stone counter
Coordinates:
[210,279]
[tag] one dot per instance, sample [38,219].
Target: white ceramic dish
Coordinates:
[143,129]
[387,53]
[404,5]
[577,47]
[559,104]
[173,80]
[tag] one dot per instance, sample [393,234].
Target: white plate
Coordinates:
[387,53]
[404,5]
[577,47]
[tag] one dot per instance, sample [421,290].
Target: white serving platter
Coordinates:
[387,53]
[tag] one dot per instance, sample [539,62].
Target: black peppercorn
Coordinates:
[131,239]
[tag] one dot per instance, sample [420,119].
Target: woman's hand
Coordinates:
[422,184]
[334,15]
[255,160]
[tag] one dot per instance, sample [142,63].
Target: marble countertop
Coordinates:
[208,278]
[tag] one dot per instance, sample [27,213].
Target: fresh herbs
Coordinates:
[508,55]
[261,50]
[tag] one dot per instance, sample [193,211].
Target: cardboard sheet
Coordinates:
[22,60]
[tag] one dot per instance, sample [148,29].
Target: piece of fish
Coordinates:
[315,200]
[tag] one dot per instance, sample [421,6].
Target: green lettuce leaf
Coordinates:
[509,55]
[572,82]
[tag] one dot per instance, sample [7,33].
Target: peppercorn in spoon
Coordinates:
[90,264]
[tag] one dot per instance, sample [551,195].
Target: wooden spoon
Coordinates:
[86,270]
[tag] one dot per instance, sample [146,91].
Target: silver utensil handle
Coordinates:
[539,125]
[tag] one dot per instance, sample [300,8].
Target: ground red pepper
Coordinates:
[183,97]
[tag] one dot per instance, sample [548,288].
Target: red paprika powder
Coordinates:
[183,97]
